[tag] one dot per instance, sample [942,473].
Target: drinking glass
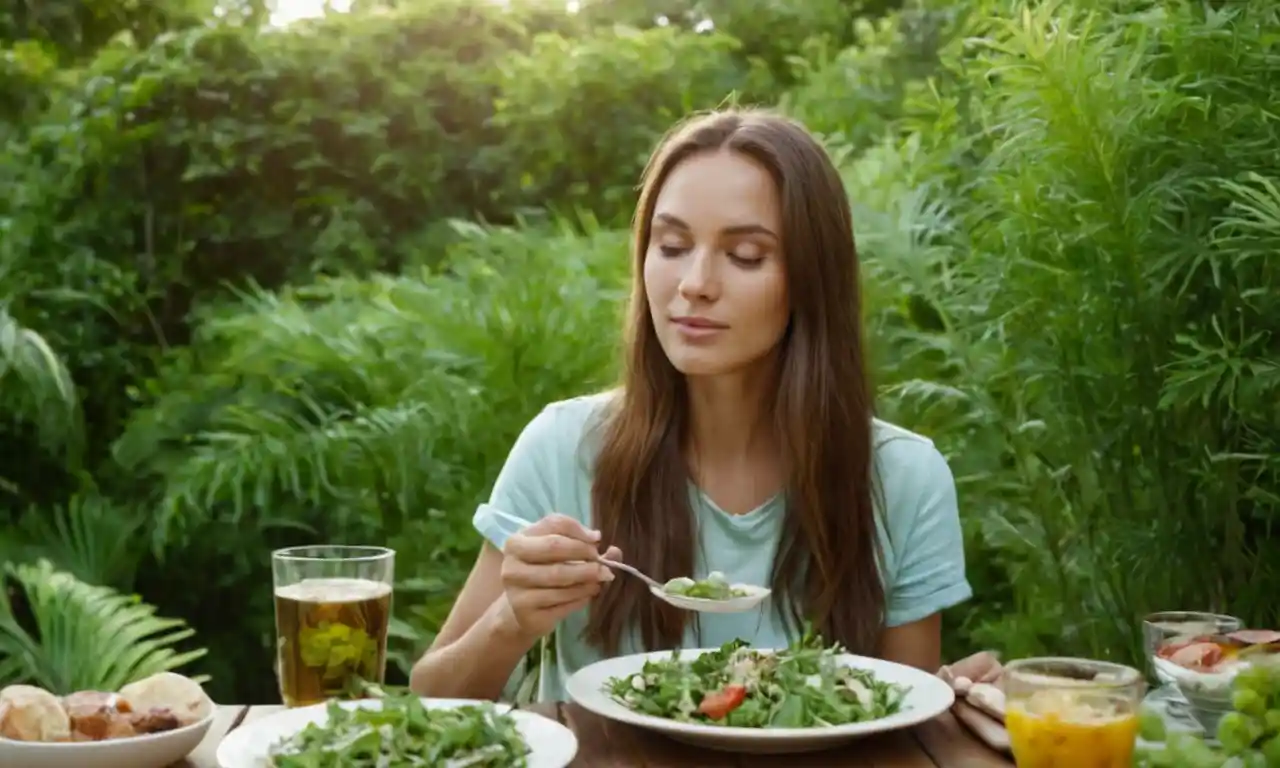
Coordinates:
[1173,626]
[1070,712]
[333,608]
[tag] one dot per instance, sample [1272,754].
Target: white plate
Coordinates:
[152,750]
[929,697]
[755,595]
[553,745]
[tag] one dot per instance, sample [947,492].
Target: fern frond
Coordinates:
[39,381]
[86,637]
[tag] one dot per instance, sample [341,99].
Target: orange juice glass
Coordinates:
[1067,713]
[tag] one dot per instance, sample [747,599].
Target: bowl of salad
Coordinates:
[805,697]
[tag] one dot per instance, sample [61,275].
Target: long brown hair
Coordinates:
[825,569]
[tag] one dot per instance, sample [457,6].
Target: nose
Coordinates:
[700,281]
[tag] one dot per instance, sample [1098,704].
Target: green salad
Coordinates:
[714,587]
[803,686]
[405,734]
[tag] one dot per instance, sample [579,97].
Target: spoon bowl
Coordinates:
[753,596]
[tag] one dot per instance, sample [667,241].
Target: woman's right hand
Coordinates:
[550,570]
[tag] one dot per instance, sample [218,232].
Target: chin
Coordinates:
[700,363]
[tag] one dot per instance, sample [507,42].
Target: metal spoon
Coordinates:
[753,595]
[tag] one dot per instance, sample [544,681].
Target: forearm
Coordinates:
[478,664]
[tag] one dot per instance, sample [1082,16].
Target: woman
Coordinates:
[741,440]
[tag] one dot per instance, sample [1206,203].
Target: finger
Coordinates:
[554,576]
[563,525]
[975,666]
[550,548]
[555,599]
[561,611]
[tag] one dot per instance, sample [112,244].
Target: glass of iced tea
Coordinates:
[333,608]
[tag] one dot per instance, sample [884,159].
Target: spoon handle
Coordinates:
[628,569]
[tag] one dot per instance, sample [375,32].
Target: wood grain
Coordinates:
[951,745]
[890,750]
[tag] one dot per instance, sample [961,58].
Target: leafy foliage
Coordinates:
[87,637]
[1077,229]
[248,248]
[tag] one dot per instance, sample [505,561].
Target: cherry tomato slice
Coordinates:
[717,704]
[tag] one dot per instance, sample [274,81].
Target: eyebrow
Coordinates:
[741,229]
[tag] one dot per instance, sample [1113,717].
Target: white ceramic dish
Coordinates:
[929,696]
[553,745]
[152,750]
[755,595]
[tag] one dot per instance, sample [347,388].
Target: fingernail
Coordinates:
[594,534]
[607,575]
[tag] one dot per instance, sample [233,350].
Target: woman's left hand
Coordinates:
[982,667]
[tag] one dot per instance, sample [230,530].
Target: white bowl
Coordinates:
[929,697]
[151,750]
[552,744]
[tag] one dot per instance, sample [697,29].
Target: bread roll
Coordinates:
[168,690]
[28,713]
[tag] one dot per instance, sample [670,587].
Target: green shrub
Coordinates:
[1071,259]
[579,117]
[363,412]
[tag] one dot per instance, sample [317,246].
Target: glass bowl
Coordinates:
[1064,712]
[1179,626]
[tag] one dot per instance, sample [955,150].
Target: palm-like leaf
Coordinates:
[86,637]
[35,379]
[94,539]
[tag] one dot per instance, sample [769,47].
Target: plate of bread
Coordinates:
[150,723]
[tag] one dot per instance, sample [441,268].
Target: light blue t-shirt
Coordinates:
[549,470]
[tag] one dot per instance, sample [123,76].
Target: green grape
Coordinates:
[1271,751]
[1190,751]
[1252,759]
[1259,678]
[1271,721]
[1151,725]
[1249,701]
[1237,732]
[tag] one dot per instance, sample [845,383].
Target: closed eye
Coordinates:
[670,251]
[746,262]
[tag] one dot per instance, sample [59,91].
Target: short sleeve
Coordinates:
[526,485]
[924,523]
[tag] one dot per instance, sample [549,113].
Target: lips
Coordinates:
[698,323]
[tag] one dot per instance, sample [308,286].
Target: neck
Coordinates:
[730,418]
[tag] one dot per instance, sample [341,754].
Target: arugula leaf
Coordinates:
[405,734]
[803,686]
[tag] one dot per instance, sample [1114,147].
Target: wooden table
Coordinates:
[940,743]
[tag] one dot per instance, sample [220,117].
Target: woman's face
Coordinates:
[714,271]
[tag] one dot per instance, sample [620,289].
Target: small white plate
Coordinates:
[929,697]
[152,750]
[755,595]
[552,745]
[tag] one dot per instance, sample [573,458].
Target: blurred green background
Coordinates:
[268,284]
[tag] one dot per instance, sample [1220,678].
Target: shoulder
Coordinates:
[563,425]
[910,473]
[904,457]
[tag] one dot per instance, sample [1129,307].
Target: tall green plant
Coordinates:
[364,411]
[1073,276]
[84,637]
